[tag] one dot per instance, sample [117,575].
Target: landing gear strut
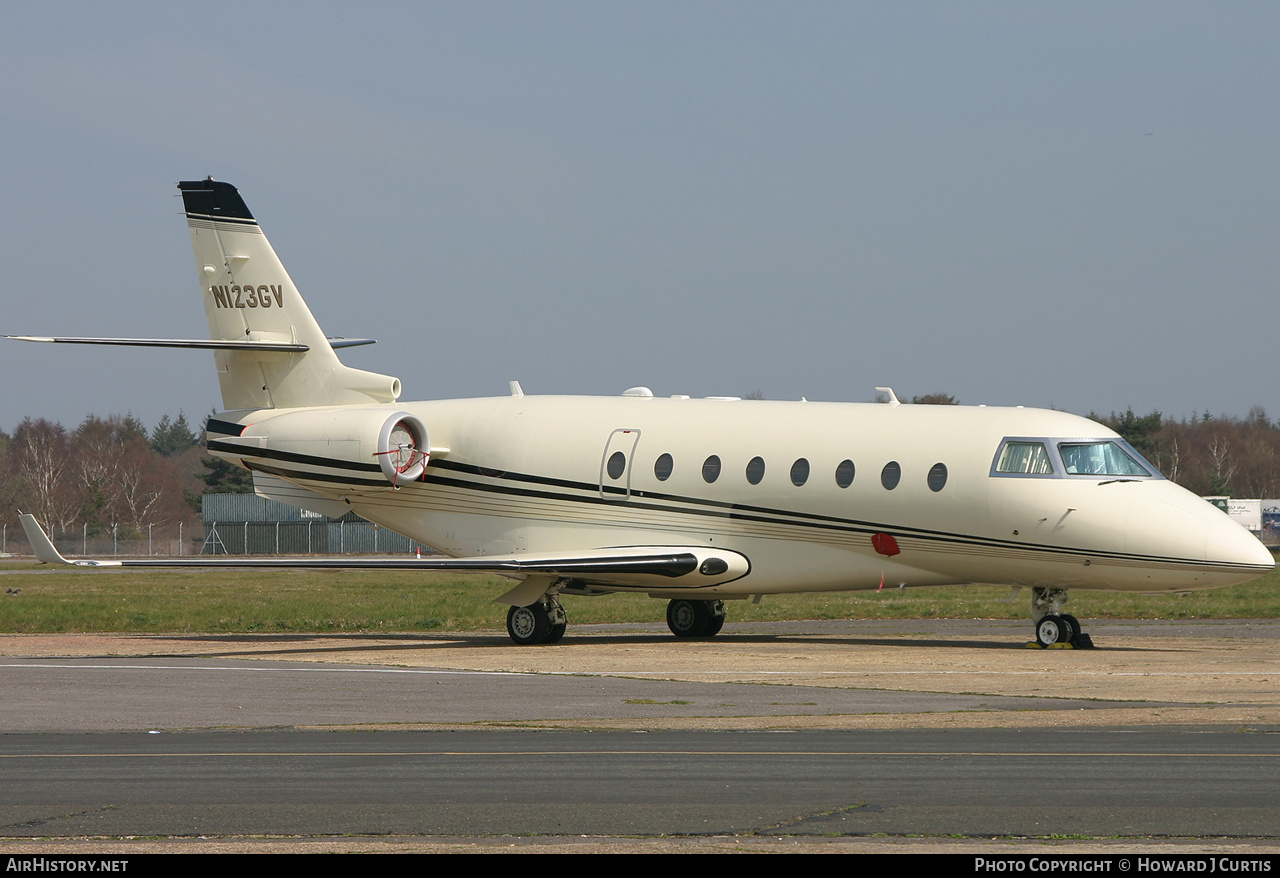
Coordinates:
[543,621]
[1054,627]
[695,618]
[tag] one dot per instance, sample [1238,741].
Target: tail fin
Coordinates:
[248,296]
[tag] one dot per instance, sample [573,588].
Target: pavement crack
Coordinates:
[808,823]
[41,821]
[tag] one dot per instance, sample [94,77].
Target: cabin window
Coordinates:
[617,463]
[1024,458]
[799,472]
[662,467]
[711,469]
[937,477]
[755,470]
[891,475]
[1099,459]
[844,473]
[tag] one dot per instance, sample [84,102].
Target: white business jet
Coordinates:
[696,501]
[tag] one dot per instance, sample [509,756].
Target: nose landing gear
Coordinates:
[1054,628]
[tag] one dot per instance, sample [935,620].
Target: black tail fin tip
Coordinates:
[214,199]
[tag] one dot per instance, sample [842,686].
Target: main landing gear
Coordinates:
[1054,628]
[695,618]
[544,621]
[541,622]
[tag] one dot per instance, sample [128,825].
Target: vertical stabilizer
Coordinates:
[248,296]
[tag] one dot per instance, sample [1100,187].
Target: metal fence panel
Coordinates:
[315,537]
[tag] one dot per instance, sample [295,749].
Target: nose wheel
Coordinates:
[1054,628]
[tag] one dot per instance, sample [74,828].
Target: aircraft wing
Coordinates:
[626,566]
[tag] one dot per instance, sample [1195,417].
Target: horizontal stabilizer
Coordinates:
[198,343]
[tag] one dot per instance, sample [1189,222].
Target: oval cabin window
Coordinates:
[938,477]
[662,467]
[617,463]
[844,473]
[799,472]
[891,475]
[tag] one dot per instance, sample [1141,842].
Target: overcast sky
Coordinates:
[1073,205]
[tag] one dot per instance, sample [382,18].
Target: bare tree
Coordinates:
[125,480]
[42,466]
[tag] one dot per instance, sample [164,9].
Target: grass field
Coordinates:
[308,601]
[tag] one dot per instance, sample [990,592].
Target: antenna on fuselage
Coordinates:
[893,397]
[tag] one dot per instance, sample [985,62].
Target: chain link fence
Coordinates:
[309,537]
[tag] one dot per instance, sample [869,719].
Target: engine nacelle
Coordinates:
[403,448]
[373,439]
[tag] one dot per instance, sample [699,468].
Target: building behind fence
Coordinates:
[233,524]
[246,524]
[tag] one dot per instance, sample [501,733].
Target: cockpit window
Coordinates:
[1063,457]
[1024,458]
[1099,459]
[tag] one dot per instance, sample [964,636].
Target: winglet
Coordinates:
[44,548]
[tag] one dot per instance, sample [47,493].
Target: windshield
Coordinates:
[1040,457]
[1099,459]
[1031,458]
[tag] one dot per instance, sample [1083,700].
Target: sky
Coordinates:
[1066,205]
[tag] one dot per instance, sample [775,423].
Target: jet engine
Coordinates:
[348,439]
[403,448]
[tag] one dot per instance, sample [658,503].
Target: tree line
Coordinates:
[109,473]
[1209,455]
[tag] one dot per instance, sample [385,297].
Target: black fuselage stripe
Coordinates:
[727,511]
[768,515]
[224,428]
[293,457]
[334,478]
[731,508]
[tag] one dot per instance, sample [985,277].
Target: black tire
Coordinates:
[556,632]
[716,620]
[687,618]
[1074,624]
[695,618]
[1051,630]
[528,625]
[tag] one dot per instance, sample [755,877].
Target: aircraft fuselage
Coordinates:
[802,489]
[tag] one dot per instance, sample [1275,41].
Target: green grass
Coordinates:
[248,601]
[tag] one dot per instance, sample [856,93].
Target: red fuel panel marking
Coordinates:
[885,544]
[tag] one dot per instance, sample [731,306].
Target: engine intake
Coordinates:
[403,448]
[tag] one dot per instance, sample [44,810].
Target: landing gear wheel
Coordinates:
[1051,630]
[695,618]
[1074,624]
[529,625]
[683,618]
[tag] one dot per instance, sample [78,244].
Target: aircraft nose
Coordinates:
[1173,523]
[1229,543]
